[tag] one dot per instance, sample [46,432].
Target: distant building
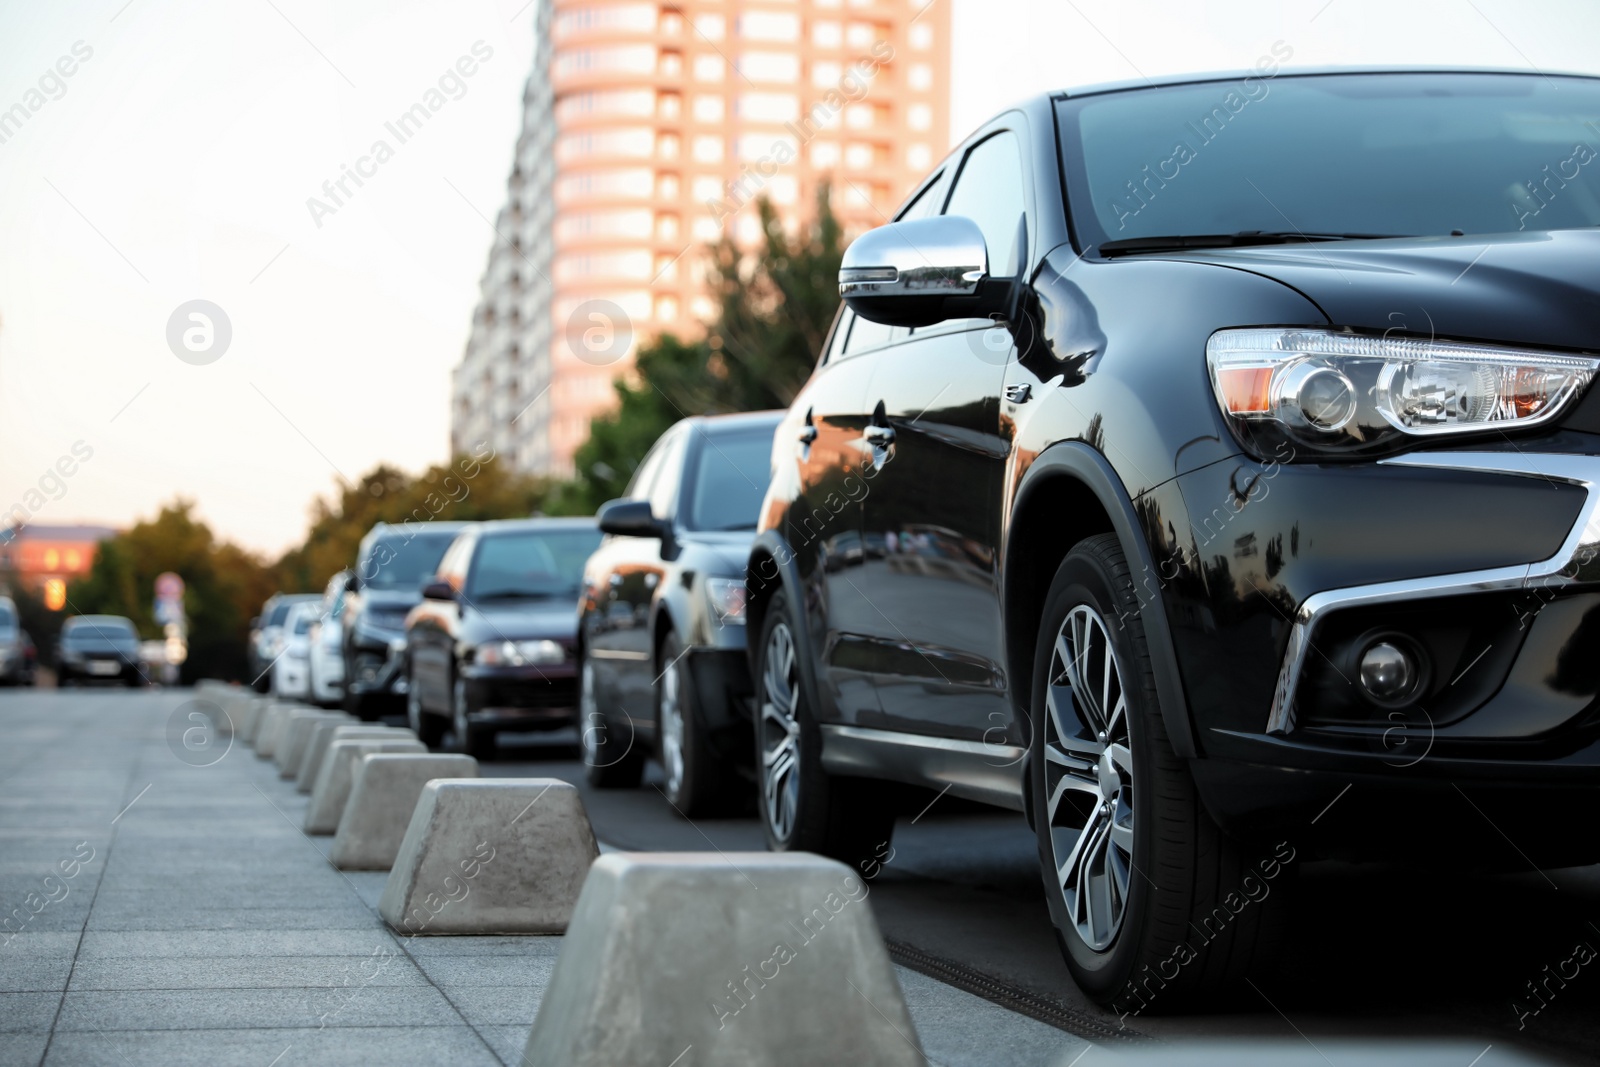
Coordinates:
[649,130]
[35,555]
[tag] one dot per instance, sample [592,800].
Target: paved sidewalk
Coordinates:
[175,914]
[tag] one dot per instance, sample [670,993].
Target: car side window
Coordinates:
[989,191]
[929,201]
[664,494]
[866,334]
[453,567]
[841,330]
[645,476]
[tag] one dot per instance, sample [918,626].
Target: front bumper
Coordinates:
[100,668]
[1489,561]
[522,698]
[292,677]
[378,662]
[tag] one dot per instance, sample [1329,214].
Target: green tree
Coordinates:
[224,585]
[775,307]
[471,489]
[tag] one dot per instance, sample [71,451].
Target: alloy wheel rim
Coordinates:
[588,720]
[780,733]
[1088,777]
[671,729]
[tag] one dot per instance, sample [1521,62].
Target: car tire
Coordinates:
[475,740]
[429,728]
[611,758]
[1157,910]
[803,808]
[697,783]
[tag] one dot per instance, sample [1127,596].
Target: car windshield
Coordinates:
[730,479]
[530,563]
[98,628]
[403,561]
[303,621]
[280,611]
[1357,154]
[8,620]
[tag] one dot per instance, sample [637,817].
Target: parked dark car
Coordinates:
[492,645]
[267,638]
[663,645]
[18,659]
[99,648]
[392,564]
[1215,503]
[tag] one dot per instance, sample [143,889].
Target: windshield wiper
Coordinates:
[1242,239]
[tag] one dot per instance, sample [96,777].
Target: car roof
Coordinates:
[538,522]
[431,525]
[735,422]
[1167,80]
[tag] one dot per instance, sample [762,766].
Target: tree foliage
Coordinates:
[474,487]
[224,586]
[774,308]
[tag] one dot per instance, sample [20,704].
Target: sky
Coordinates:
[175,162]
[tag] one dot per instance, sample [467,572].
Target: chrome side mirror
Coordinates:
[916,273]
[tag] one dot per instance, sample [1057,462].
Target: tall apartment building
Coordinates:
[650,128]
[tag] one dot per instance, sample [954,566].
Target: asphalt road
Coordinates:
[1374,951]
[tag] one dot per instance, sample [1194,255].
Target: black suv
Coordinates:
[662,615]
[392,564]
[1207,470]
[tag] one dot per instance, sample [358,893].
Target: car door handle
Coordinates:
[808,435]
[880,435]
[1019,392]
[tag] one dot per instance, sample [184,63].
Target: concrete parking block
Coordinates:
[272,726]
[760,959]
[383,794]
[490,857]
[325,734]
[245,710]
[338,772]
[296,735]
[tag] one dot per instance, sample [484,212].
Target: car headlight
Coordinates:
[1346,394]
[521,654]
[727,599]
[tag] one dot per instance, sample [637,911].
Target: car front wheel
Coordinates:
[611,757]
[428,728]
[697,783]
[1154,908]
[803,808]
[475,740]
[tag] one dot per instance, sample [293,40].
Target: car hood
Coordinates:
[719,553]
[390,599]
[521,620]
[1540,289]
[101,646]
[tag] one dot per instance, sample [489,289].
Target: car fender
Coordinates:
[1081,462]
[771,547]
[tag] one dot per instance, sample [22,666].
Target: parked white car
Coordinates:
[327,633]
[291,667]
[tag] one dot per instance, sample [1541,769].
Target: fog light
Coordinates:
[1388,672]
